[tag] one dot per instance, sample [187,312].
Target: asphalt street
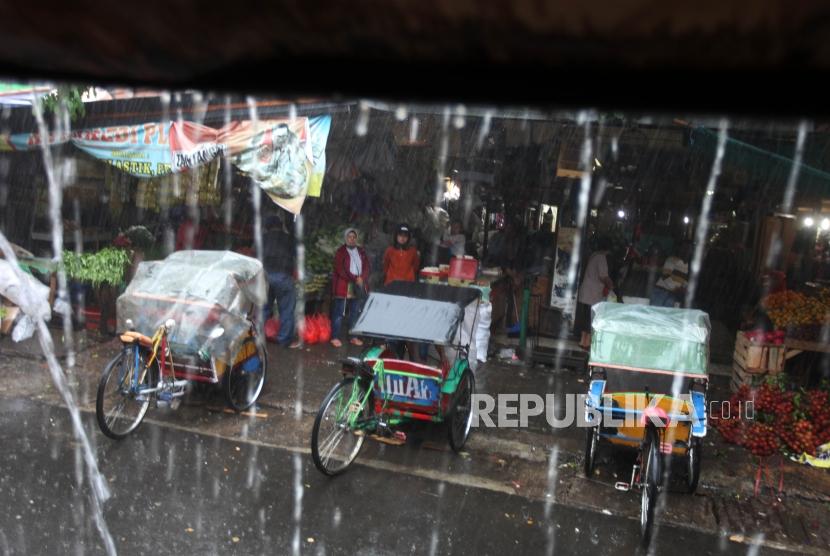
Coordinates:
[179,492]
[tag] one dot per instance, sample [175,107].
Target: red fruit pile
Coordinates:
[800,438]
[782,420]
[761,439]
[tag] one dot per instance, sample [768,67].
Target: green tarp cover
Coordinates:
[653,338]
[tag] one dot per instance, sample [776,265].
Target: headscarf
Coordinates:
[355,264]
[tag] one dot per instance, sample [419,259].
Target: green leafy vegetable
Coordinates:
[107,266]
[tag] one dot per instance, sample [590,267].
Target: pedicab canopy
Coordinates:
[200,290]
[650,338]
[430,313]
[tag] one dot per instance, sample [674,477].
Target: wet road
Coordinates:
[176,492]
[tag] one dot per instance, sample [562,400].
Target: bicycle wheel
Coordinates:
[334,445]
[244,382]
[650,474]
[591,444]
[119,407]
[461,415]
[693,457]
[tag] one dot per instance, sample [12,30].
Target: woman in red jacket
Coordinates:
[402,260]
[349,285]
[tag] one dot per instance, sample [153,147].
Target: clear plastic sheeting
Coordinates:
[199,290]
[653,338]
[420,312]
[30,295]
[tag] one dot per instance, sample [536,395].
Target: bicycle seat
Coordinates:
[132,336]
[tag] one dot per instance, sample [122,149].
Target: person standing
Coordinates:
[401,261]
[671,287]
[350,283]
[455,241]
[278,257]
[595,286]
[400,264]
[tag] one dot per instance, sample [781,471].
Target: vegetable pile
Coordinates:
[107,266]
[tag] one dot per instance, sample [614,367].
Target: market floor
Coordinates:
[176,492]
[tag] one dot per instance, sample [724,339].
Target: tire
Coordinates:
[461,414]
[118,408]
[591,445]
[693,457]
[650,474]
[242,388]
[331,455]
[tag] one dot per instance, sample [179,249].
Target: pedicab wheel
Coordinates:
[693,457]
[591,445]
[118,408]
[334,446]
[244,385]
[461,414]
[650,475]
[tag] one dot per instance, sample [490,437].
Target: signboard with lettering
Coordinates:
[408,389]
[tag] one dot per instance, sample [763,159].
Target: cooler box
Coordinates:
[463,268]
[431,275]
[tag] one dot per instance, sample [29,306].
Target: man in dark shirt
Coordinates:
[279,255]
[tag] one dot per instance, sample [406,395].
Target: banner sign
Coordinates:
[286,158]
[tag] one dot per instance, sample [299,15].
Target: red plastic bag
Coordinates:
[272,329]
[323,328]
[310,334]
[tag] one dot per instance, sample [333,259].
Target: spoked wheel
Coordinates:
[244,382]
[461,414]
[693,457]
[119,405]
[334,444]
[591,445]
[650,475]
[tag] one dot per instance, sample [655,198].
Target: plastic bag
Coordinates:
[24,329]
[311,333]
[323,328]
[272,329]
[482,332]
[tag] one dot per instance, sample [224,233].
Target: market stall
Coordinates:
[796,337]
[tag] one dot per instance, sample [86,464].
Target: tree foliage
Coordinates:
[71,96]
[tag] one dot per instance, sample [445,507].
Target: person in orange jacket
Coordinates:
[401,261]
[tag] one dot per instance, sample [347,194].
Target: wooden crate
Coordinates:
[751,377]
[753,363]
[753,357]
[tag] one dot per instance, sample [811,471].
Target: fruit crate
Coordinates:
[758,357]
[754,361]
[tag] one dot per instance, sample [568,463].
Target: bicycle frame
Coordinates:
[159,343]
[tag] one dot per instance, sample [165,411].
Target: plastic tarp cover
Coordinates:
[419,312]
[646,337]
[27,293]
[199,290]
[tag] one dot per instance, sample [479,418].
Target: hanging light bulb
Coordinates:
[825,223]
[686,220]
[621,213]
[808,222]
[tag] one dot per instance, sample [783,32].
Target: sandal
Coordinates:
[356,342]
[336,343]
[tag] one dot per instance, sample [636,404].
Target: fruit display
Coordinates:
[772,419]
[790,309]
[775,337]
